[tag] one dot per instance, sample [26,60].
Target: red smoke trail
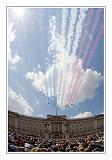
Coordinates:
[89,18]
[88,46]
[95,46]
[74,88]
[87,25]
[92,35]
[64,84]
[80,82]
[91,55]
[71,81]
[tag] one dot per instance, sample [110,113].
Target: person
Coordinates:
[25,143]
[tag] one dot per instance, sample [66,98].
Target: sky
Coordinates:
[56,58]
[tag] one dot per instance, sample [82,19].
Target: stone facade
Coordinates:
[54,126]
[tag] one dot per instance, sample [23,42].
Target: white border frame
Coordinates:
[108,84]
[103,7]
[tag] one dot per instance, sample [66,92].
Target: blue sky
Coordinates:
[31,43]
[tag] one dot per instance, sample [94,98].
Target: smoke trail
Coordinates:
[50,89]
[46,88]
[64,30]
[61,40]
[78,32]
[89,43]
[90,57]
[72,26]
[61,82]
[92,34]
[69,43]
[65,22]
[55,84]
[86,28]
[72,78]
[71,29]
[53,38]
[59,86]
[69,75]
[74,88]
[64,84]
[79,28]
[95,45]
[77,89]
[52,51]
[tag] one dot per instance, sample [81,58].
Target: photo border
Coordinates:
[104,69]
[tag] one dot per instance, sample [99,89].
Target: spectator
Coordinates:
[23,143]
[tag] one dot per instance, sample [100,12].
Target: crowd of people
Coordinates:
[22,143]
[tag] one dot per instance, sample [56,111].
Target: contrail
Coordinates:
[79,28]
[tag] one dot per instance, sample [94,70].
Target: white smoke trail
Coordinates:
[52,24]
[52,52]
[71,29]
[65,22]
[79,28]
[62,85]
[75,31]
[62,42]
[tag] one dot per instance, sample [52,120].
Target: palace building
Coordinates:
[54,126]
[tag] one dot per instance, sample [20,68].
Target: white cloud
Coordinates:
[12,59]
[37,79]
[89,85]
[18,104]
[41,115]
[83,115]
[66,80]
[102,113]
